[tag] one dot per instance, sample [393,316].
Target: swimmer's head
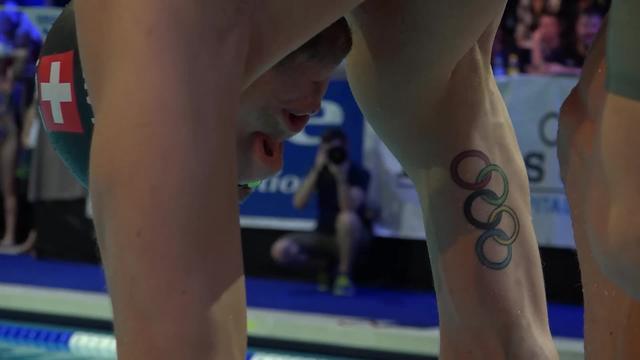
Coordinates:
[280,102]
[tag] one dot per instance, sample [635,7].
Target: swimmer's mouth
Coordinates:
[295,122]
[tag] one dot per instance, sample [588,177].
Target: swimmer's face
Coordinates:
[279,104]
[587,28]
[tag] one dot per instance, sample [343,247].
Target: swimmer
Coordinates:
[275,106]
[165,159]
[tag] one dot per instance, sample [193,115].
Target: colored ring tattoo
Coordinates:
[489,197]
[496,235]
[479,184]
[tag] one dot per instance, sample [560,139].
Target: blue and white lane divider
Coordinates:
[75,342]
[89,344]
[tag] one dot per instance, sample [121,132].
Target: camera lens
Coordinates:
[337,155]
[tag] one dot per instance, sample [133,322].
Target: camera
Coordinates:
[337,155]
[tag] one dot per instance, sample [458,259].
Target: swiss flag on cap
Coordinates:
[57,93]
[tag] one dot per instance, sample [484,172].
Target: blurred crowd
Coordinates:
[546,36]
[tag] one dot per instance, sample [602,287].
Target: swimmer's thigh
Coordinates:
[403,55]
[281,26]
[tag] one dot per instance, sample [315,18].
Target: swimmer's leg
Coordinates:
[429,111]
[611,316]
[281,26]
[618,147]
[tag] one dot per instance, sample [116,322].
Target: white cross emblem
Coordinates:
[56,93]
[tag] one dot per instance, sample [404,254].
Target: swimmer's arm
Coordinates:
[166,214]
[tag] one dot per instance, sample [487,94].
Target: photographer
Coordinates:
[342,227]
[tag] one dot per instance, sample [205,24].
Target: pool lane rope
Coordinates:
[88,344]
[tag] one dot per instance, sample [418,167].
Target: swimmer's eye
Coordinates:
[251,185]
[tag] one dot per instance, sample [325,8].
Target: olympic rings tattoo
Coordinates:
[490,225]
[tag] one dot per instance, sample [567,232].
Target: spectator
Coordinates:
[505,58]
[601,5]
[544,42]
[342,227]
[529,13]
[569,58]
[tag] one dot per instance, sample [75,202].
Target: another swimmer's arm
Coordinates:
[163,172]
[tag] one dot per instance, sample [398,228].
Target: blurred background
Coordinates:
[50,249]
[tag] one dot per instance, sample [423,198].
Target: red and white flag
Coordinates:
[58,101]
